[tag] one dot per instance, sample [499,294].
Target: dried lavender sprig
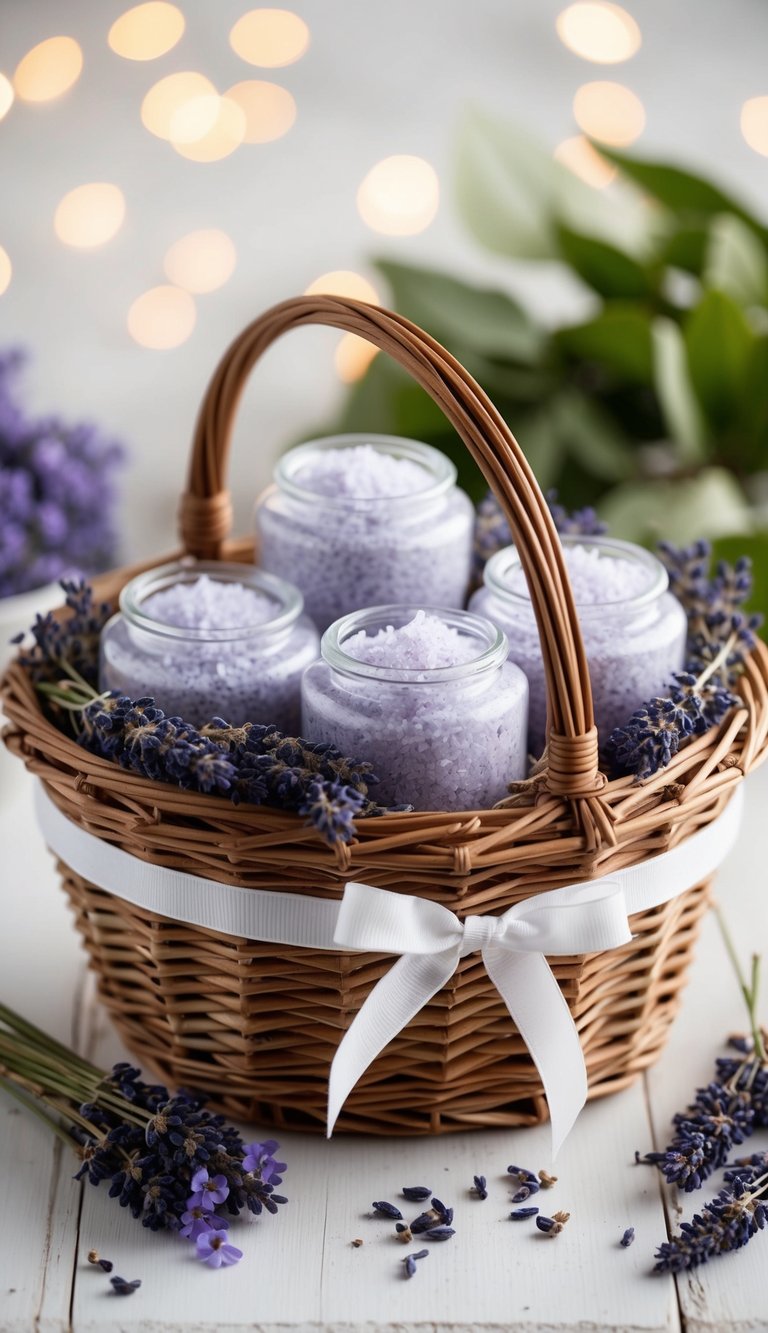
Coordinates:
[725,1223]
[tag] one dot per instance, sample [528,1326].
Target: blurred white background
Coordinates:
[375,80]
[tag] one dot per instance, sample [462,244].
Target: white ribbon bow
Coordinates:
[430,939]
[583,918]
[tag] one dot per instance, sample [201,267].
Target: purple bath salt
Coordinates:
[367,520]
[429,697]
[634,630]
[209,640]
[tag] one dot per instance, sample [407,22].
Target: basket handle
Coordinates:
[206,511]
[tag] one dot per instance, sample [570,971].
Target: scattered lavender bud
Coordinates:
[545,1224]
[410,1265]
[356,1243]
[627,1238]
[552,1226]
[416,1193]
[106,1265]
[439,1233]
[384,1209]
[123,1288]
[420,1254]
[522,1173]
[547,1181]
[440,1209]
[518,1214]
[479,1187]
[404,1232]
[521,1195]
[423,1222]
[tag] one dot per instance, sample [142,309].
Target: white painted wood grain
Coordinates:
[732,1292]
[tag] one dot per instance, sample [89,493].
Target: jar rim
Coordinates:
[502,563]
[493,655]
[432,460]
[288,599]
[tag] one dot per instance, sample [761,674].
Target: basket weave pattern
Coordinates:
[256,1025]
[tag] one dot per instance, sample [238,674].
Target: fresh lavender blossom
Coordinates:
[57,493]
[216,1250]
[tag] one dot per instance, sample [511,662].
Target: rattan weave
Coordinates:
[256,1025]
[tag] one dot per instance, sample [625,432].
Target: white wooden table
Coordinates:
[300,1271]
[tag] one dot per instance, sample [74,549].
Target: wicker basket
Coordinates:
[256,1025]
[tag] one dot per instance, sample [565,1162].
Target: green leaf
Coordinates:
[619,339]
[591,437]
[718,343]
[460,315]
[680,190]
[755,545]
[604,267]
[749,436]
[686,248]
[679,406]
[736,261]
[711,504]
[512,193]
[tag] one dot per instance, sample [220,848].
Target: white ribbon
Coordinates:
[579,918]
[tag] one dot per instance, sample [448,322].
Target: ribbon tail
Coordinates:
[541,1015]
[391,1005]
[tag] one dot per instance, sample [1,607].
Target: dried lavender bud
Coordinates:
[416,1193]
[420,1254]
[410,1265]
[423,1222]
[123,1288]
[627,1238]
[479,1187]
[518,1214]
[404,1233]
[439,1233]
[356,1243]
[547,1181]
[522,1194]
[440,1208]
[561,1217]
[384,1209]
[106,1265]
[93,1256]
[545,1224]
[522,1173]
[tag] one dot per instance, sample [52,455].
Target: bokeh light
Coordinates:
[269,110]
[6,96]
[344,282]
[578,155]
[353,357]
[90,215]
[162,318]
[146,31]
[270,37]
[6,270]
[224,134]
[194,118]
[167,97]
[609,112]
[201,261]
[754,124]
[602,32]
[399,196]
[48,70]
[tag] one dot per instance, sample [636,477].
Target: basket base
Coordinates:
[254,1027]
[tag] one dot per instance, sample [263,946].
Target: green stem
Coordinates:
[717,662]
[44,1042]
[749,992]
[79,680]
[15,1091]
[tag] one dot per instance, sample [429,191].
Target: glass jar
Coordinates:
[345,552]
[245,672]
[634,630]
[447,738]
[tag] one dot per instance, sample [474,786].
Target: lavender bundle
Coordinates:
[253,763]
[720,634]
[57,494]
[172,1164]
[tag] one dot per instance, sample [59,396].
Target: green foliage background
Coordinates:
[655,408]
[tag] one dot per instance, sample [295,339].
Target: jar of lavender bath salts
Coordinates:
[634,630]
[429,697]
[207,639]
[367,520]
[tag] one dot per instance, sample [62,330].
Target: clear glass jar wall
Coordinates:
[246,672]
[634,640]
[450,738]
[345,552]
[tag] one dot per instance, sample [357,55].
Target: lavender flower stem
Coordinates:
[43,1042]
[749,992]
[15,1091]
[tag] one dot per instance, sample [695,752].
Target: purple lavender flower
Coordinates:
[627,1238]
[207,1190]
[705,1133]
[215,1249]
[724,1224]
[57,493]
[259,1158]
[199,1219]
[331,808]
